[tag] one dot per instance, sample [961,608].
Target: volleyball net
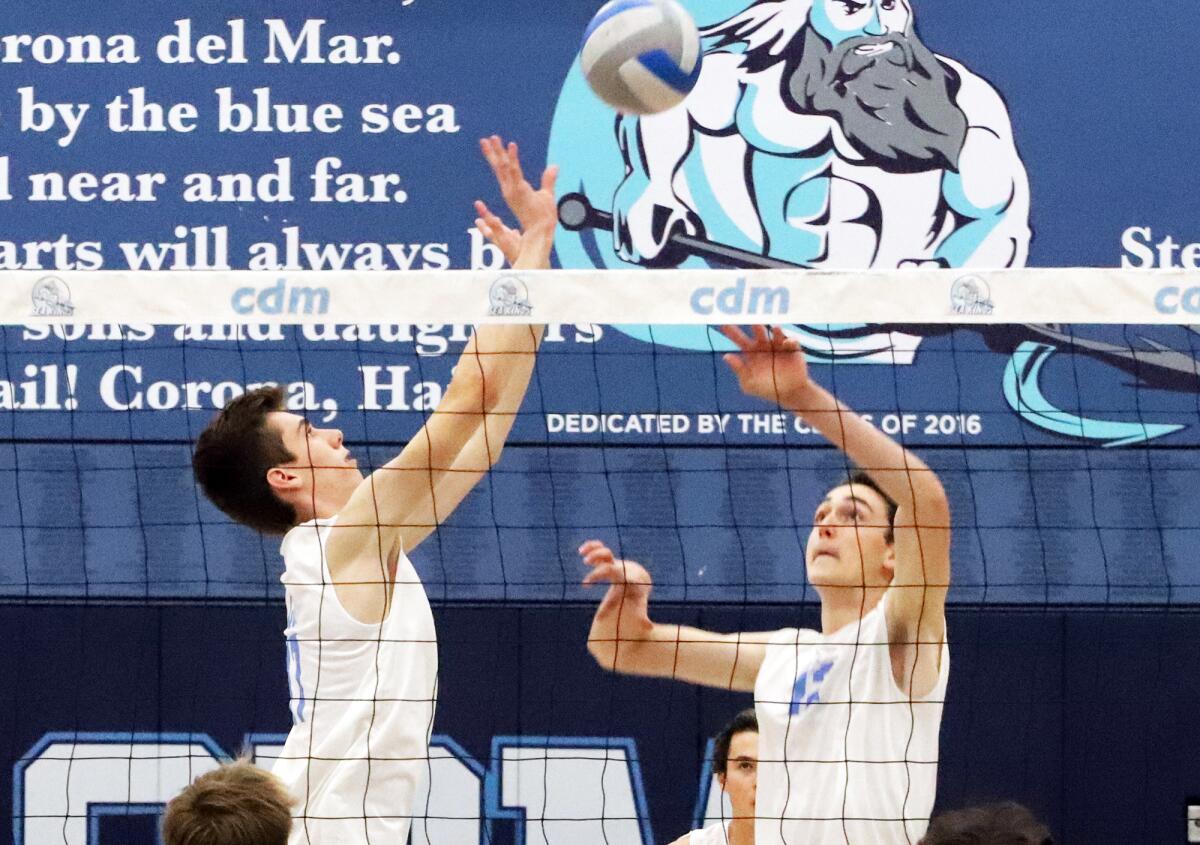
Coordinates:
[1060,408]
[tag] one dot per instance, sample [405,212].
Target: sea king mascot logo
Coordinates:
[826,134]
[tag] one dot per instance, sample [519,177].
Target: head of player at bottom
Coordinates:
[237,804]
[735,765]
[1007,823]
[735,762]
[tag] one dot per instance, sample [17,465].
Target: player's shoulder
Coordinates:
[793,637]
[686,839]
[306,536]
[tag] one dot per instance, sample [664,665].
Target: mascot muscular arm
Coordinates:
[646,209]
[989,193]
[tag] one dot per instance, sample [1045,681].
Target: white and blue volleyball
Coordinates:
[641,56]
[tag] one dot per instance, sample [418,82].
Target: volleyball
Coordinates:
[641,56]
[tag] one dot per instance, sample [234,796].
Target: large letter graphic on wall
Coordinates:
[569,790]
[555,790]
[67,782]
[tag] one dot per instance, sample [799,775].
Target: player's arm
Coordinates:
[485,435]
[771,366]
[483,449]
[624,639]
[405,500]
[989,191]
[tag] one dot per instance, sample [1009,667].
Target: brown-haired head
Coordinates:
[858,478]
[237,804]
[233,455]
[1008,823]
[747,720]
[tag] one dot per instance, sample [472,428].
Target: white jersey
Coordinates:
[714,834]
[845,756]
[362,699]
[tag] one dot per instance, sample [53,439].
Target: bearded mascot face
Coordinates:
[862,63]
[838,20]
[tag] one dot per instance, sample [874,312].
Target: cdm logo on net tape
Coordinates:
[280,298]
[740,299]
[1174,299]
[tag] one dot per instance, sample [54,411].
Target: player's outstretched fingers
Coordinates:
[498,158]
[488,147]
[595,553]
[591,545]
[504,163]
[611,572]
[489,217]
[514,158]
[735,334]
[785,342]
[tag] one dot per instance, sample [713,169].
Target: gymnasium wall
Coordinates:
[136,614]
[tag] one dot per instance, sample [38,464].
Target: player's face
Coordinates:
[837,20]
[741,773]
[848,545]
[327,465]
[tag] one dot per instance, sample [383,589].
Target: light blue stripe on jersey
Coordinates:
[659,63]
[611,12]
[295,684]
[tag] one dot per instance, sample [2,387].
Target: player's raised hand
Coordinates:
[507,240]
[768,363]
[624,612]
[535,208]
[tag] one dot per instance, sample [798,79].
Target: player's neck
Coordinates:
[841,606]
[311,506]
[741,831]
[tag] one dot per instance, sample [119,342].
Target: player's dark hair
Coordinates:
[233,455]
[1008,823]
[747,720]
[858,478]
[237,804]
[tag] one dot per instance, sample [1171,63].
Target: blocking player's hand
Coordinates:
[507,240]
[535,208]
[627,602]
[768,363]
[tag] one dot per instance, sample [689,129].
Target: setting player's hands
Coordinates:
[624,613]
[769,365]
[535,208]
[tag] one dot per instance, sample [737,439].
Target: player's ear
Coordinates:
[282,478]
[889,559]
[721,781]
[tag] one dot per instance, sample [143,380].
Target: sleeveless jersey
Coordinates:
[714,834]
[362,700]
[845,757]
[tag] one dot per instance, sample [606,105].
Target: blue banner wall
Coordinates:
[1100,108]
[315,135]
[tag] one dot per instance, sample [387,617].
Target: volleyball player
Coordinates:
[362,649]
[235,804]
[735,763]
[1007,823]
[849,715]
